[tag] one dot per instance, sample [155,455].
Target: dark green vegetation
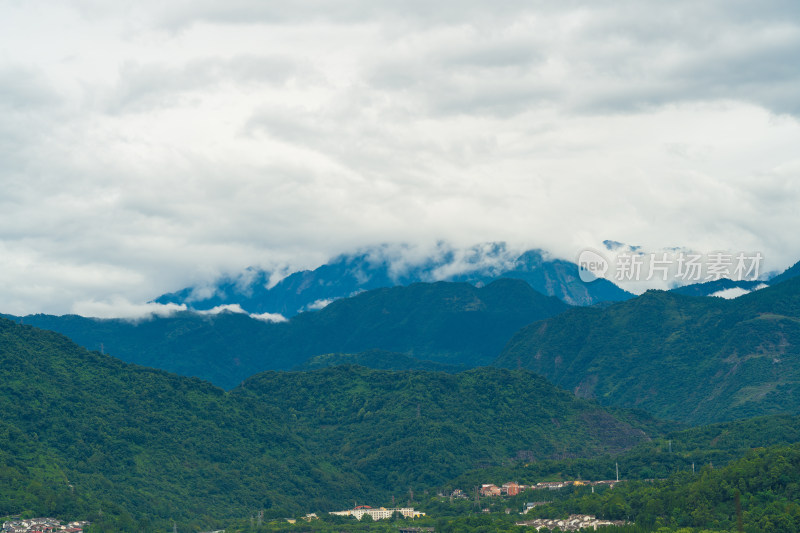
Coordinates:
[139,445]
[373,269]
[84,433]
[767,480]
[451,323]
[419,428]
[765,483]
[697,360]
[684,450]
[377,359]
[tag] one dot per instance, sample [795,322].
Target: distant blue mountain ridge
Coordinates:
[378,267]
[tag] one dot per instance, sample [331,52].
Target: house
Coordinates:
[490,490]
[530,505]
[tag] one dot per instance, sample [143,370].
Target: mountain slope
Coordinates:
[347,275]
[419,428]
[717,444]
[377,359]
[119,437]
[82,432]
[454,323]
[692,359]
[451,323]
[791,272]
[559,278]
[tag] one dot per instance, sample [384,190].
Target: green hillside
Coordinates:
[108,436]
[450,323]
[763,485]
[683,450]
[684,499]
[679,357]
[421,428]
[86,435]
[379,360]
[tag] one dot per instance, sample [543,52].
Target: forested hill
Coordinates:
[378,359]
[451,323]
[682,450]
[679,357]
[82,431]
[420,427]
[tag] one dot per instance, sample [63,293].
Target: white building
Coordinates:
[379,513]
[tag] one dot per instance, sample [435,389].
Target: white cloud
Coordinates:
[735,292]
[269,317]
[226,308]
[730,294]
[319,304]
[150,146]
[119,307]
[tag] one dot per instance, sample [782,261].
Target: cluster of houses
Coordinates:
[379,513]
[513,488]
[508,489]
[42,525]
[575,522]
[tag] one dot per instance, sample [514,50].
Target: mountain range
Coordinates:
[385,266]
[454,324]
[132,448]
[680,357]
[381,267]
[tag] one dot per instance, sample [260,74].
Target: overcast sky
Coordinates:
[146,146]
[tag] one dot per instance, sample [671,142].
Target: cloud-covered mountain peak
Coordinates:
[389,265]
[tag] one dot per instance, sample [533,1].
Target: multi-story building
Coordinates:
[380,513]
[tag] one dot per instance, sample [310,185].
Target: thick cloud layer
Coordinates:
[146,146]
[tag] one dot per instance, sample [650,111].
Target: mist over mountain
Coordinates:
[720,287]
[791,272]
[728,288]
[388,266]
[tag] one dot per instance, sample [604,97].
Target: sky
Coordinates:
[148,146]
